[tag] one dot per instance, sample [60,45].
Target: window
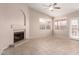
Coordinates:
[45,24]
[60,24]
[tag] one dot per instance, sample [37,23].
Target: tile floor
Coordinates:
[51,45]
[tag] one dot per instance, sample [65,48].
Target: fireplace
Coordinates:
[18,36]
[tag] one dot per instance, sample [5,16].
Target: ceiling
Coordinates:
[66,8]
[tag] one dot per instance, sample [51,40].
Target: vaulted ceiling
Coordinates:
[66,8]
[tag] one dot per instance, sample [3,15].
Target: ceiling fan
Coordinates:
[53,6]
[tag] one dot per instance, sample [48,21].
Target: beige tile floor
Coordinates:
[51,45]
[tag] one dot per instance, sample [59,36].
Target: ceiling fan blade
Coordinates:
[50,5]
[57,7]
[51,10]
[55,4]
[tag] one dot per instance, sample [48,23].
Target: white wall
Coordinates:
[10,14]
[62,31]
[71,16]
[35,31]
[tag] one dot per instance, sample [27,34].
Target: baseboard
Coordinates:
[1,51]
[19,43]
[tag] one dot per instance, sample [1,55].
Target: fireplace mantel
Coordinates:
[18,27]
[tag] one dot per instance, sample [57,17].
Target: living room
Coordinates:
[39,28]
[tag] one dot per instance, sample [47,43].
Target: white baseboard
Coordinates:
[15,45]
[1,51]
[20,43]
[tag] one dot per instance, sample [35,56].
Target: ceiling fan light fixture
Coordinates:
[53,7]
[50,8]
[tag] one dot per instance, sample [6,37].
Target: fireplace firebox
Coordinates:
[18,36]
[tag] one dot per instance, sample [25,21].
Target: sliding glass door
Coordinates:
[74,29]
[60,26]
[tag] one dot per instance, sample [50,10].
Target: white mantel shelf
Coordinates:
[18,27]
